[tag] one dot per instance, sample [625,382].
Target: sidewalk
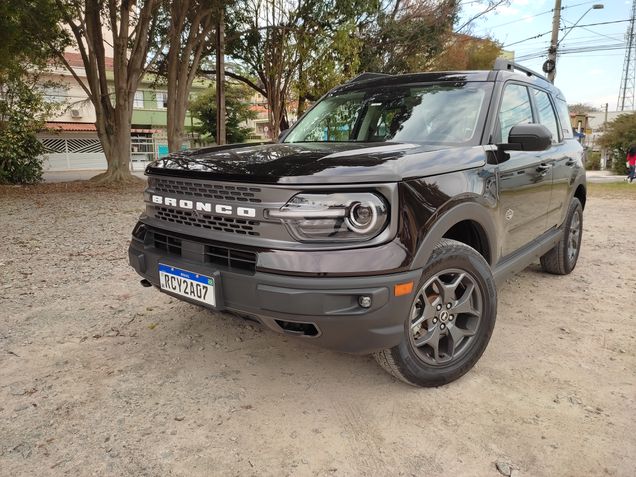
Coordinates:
[69,176]
[603,176]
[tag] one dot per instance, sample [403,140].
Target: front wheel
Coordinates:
[451,319]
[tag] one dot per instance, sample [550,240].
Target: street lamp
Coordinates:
[549,66]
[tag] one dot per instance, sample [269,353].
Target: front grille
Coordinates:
[167,244]
[206,221]
[230,258]
[222,192]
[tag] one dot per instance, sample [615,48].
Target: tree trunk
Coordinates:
[117,148]
[220,79]
[189,34]
[87,22]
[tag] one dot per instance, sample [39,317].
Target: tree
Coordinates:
[131,24]
[328,46]
[189,34]
[29,31]
[237,107]
[406,36]
[22,115]
[308,46]
[465,52]
[582,108]
[619,135]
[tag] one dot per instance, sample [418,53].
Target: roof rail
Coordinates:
[502,64]
[367,76]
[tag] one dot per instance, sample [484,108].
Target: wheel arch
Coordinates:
[470,223]
[581,194]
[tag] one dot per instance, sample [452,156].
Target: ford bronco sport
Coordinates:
[381,221]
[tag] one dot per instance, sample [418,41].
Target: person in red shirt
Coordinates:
[631,163]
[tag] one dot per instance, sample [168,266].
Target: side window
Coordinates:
[515,109]
[546,113]
[564,117]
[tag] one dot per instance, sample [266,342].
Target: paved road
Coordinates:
[603,176]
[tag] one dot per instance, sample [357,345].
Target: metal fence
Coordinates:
[76,153]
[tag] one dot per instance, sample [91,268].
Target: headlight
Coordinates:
[355,216]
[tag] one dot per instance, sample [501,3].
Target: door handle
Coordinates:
[544,168]
[569,162]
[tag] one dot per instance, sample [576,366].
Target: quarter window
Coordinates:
[546,113]
[515,109]
[564,116]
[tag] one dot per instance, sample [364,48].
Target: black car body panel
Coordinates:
[319,164]
[510,205]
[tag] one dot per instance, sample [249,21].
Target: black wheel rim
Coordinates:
[445,317]
[574,237]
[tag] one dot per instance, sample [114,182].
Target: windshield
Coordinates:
[427,114]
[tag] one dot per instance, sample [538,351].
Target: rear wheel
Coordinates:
[451,319]
[562,259]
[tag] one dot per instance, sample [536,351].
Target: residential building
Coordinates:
[71,136]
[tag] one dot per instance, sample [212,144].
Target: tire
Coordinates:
[442,343]
[562,259]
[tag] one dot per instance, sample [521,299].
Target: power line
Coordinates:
[567,51]
[526,18]
[562,29]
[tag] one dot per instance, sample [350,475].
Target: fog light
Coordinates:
[364,301]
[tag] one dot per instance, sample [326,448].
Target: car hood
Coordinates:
[318,163]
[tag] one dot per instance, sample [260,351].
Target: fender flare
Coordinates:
[466,211]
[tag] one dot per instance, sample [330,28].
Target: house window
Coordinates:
[54,94]
[162,99]
[138,101]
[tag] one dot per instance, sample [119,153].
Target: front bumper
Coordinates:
[324,311]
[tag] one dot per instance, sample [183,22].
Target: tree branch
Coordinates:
[238,77]
[66,64]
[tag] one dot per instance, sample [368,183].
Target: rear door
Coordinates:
[568,160]
[525,180]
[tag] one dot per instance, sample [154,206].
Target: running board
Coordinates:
[517,262]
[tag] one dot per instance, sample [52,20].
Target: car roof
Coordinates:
[380,80]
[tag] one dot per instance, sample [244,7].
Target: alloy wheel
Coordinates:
[445,316]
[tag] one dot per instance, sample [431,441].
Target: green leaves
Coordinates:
[22,111]
[619,135]
[30,31]
[237,107]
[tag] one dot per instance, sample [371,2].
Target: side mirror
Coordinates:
[282,135]
[528,137]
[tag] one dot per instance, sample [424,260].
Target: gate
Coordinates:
[63,154]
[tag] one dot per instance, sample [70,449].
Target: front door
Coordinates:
[525,180]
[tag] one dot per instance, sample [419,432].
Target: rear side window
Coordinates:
[546,113]
[564,119]
[515,109]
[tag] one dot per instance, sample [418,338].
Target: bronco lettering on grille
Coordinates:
[203,206]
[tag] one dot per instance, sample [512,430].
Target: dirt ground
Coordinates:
[99,376]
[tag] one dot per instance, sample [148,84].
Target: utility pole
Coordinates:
[220,76]
[550,65]
[604,151]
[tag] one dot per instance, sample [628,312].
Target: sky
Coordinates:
[591,77]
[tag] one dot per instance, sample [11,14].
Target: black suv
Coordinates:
[381,221]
